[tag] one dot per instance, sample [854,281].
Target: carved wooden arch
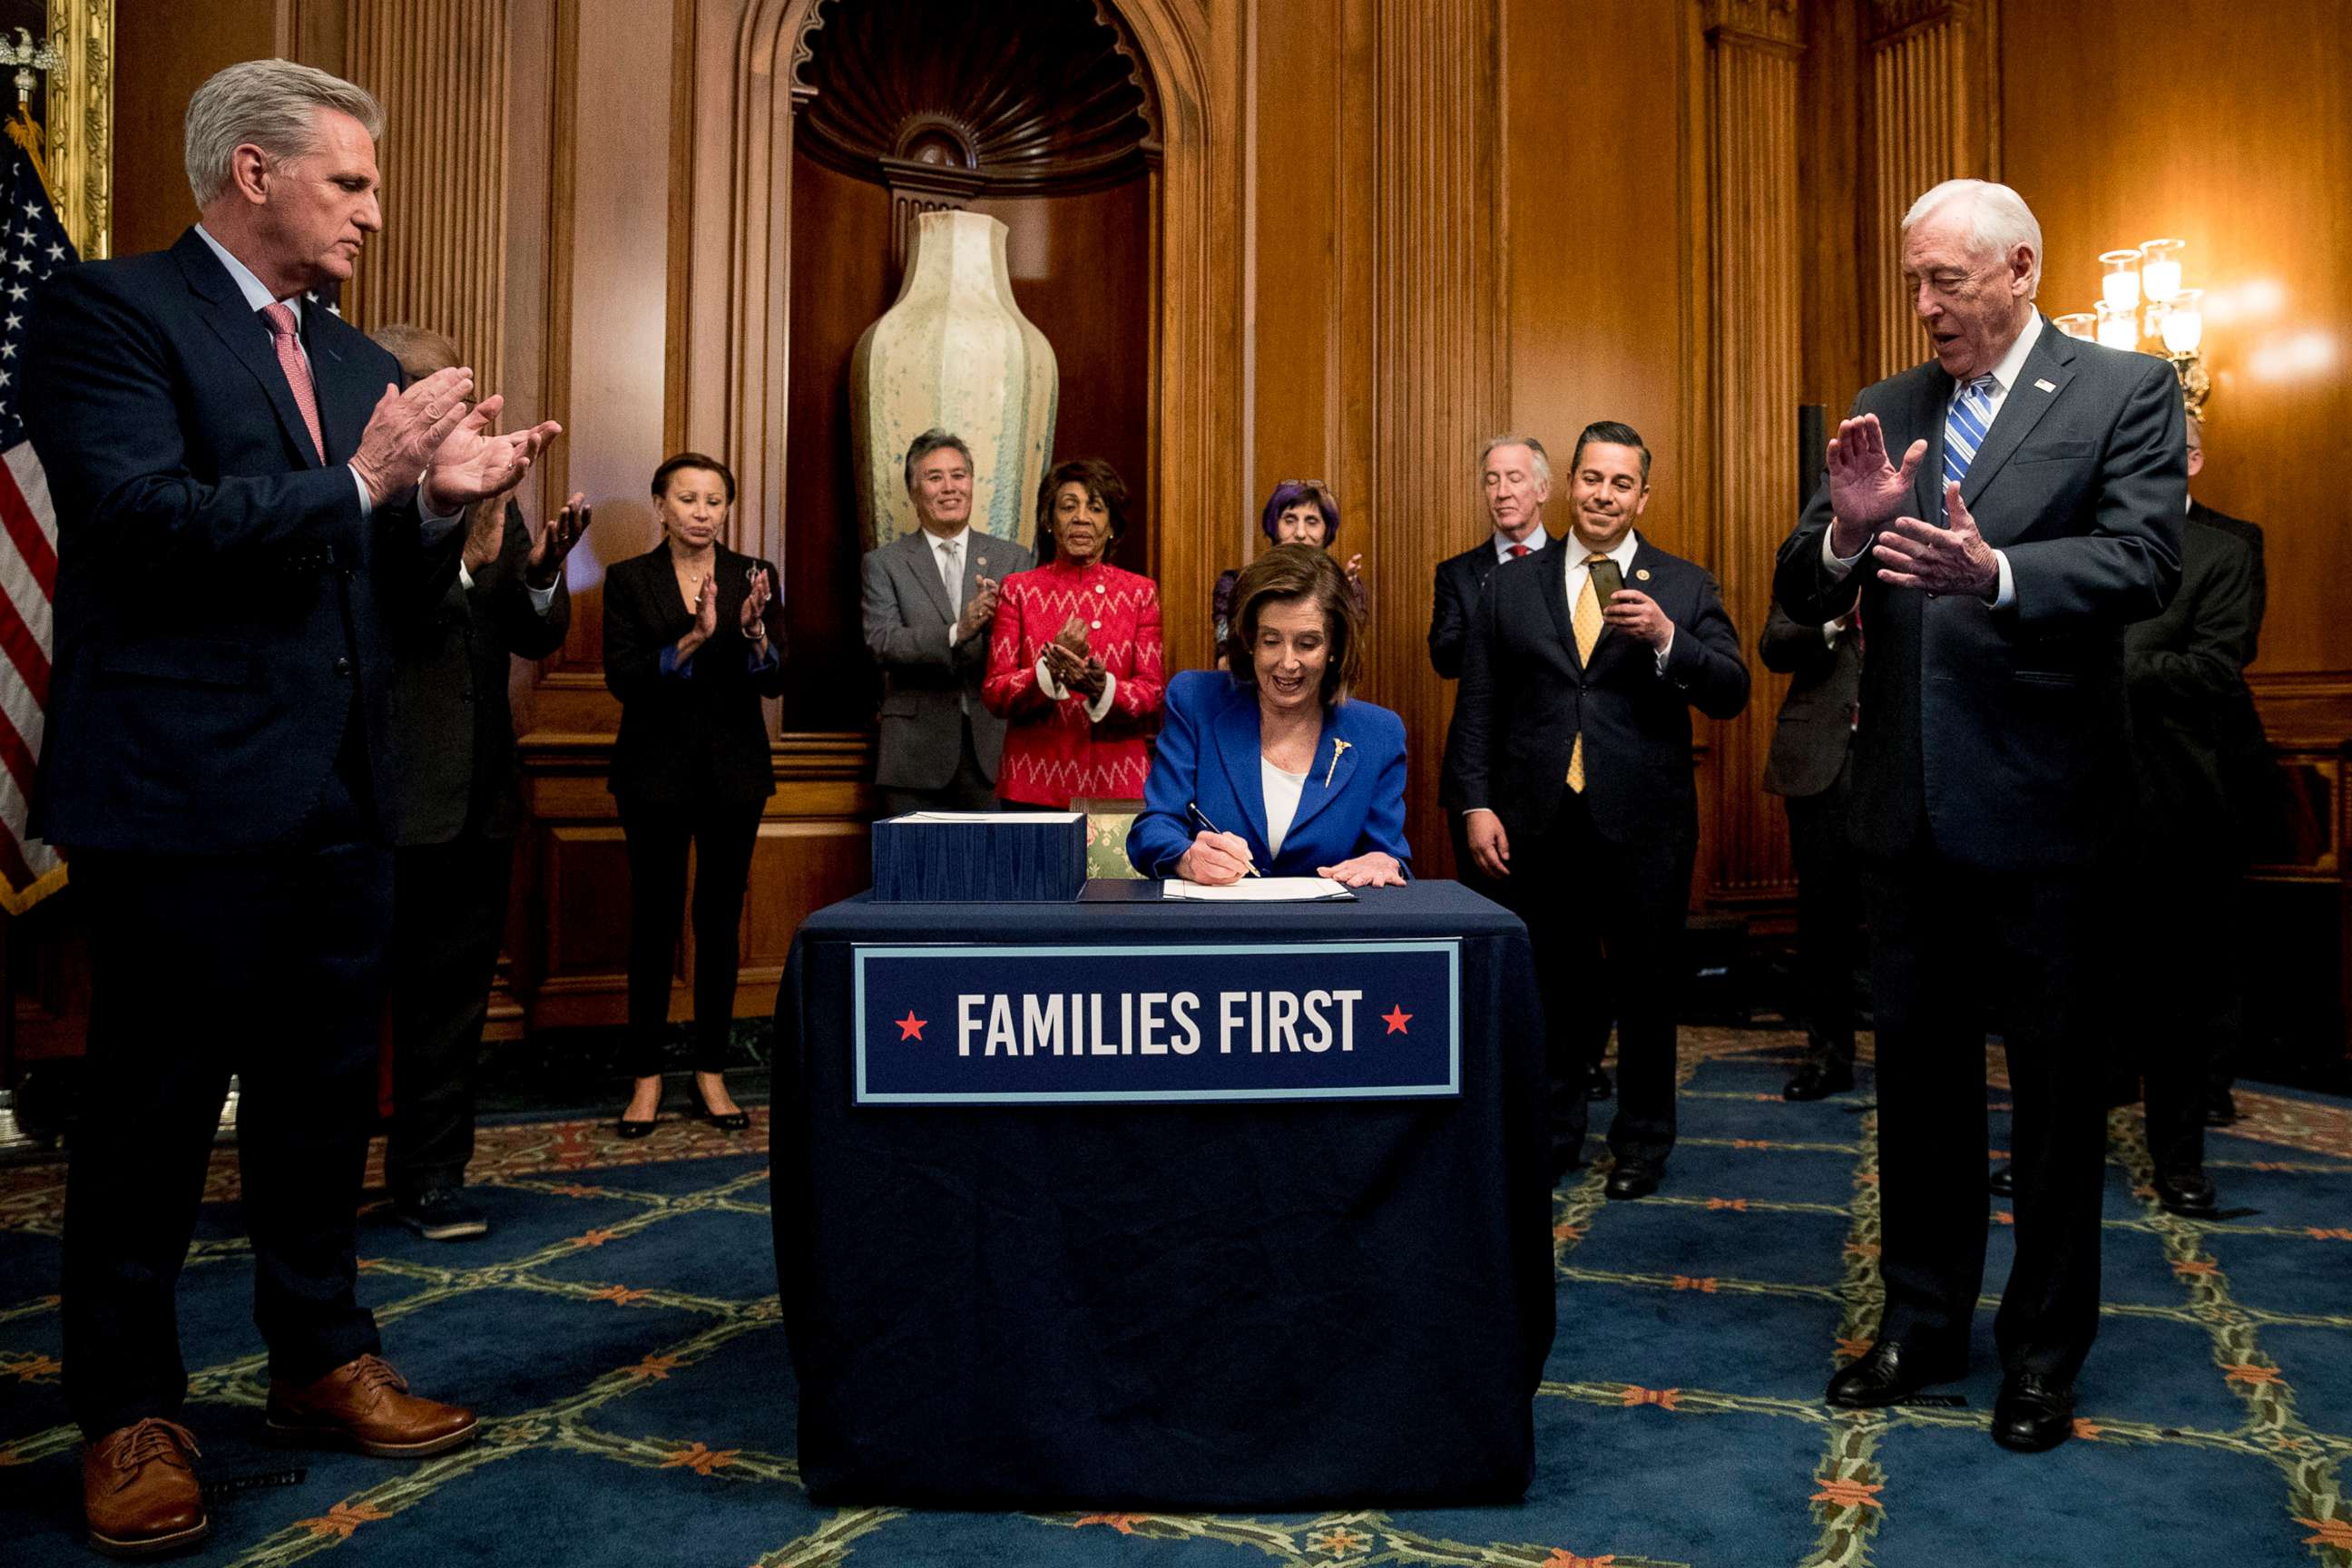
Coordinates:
[1194,346]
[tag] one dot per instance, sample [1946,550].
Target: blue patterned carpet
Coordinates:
[618,1331]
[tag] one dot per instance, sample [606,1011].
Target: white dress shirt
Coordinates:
[1282,791]
[1504,543]
[2004,376]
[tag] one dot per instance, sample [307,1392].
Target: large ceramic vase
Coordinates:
[956,352]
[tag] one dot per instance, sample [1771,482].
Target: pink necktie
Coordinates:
[280,317]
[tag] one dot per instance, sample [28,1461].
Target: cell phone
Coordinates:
[1607,578]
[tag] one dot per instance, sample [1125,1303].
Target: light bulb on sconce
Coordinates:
[2160,269]
[2119,285]
[2075,324]
[2184,322]
[2119,325]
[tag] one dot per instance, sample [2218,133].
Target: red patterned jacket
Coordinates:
[1053,751]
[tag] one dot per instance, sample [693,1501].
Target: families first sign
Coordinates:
[963,1023]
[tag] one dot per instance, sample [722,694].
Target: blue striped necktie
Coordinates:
[1965,426]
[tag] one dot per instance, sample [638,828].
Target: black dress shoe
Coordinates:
[1633,1179]
[628,1129]
[2033,1412]
[1596,1082]
[441,1214]
[2002,1183]
[725,1121]
[1819,1080]
[2189,1194]
[1888,1373]
[2222,1110]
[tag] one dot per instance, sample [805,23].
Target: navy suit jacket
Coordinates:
[1208,755]
[1453,602]
[223,603]
[1999,737]
[1525,695]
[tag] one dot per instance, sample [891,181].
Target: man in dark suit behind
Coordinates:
[940,744]
[1570,755]
[2181,668]
[1809,767]
[2250,775]
[460,805]
[2249,535]
[2035,510]
[1515,474]
[245,503]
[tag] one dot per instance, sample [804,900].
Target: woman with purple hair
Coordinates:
[1299,511]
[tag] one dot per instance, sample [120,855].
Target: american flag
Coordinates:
[32,246]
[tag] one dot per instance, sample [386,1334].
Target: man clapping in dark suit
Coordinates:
[460,805]
[1570,756]
[927,601]
[2034,511]
[246,502]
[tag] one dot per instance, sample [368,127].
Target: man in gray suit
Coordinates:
[2007,509]
[1809,767]
[940,744]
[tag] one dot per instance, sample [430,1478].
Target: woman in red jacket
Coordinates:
[1075,664]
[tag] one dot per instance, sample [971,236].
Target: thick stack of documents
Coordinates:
[981,856]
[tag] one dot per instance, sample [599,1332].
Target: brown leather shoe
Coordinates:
[139,1493]
[365,1405]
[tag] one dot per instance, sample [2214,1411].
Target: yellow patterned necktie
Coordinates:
[1586,625]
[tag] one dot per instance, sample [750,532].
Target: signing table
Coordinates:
[1091,1237]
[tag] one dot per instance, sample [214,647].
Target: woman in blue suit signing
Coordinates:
[1269,767]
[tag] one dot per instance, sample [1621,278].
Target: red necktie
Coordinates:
[280,318]
[1516,550]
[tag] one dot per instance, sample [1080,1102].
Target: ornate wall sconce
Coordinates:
[2140,297]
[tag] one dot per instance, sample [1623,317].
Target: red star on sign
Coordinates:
[1396,1018]
[911,1028]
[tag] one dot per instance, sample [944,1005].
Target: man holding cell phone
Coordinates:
[1569,757]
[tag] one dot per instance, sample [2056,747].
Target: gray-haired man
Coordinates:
[928,601]
[244,506]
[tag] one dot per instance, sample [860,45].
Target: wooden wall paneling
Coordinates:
[842,282]
[1753,51]
[163,51]
[1081,266]
[1308,96]
[1832,241]
[439,68]
[1439,363]
[1931,113]
[2249,167]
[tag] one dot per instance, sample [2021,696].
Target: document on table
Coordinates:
[991,816]
[1260,890]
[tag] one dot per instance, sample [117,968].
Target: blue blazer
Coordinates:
[1208,755]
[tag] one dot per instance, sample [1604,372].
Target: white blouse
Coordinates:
[1282,791]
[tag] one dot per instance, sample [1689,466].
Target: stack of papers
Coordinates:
[1260,890]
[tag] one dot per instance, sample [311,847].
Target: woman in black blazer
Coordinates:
[693,639]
